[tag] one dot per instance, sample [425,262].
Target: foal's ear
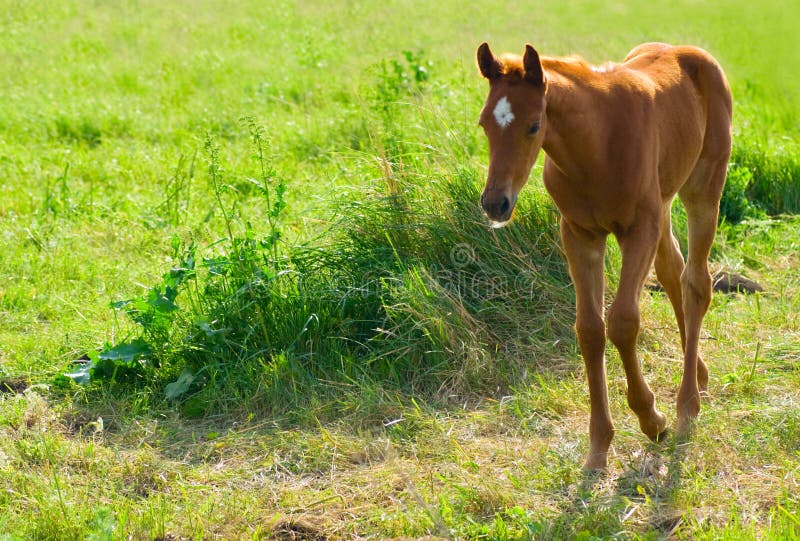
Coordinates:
[533,66]
[490,67]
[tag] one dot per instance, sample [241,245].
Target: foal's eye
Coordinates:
[534,128]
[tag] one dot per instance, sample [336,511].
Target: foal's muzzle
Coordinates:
[497,206]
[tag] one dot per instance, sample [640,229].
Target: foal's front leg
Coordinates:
[638,246]
[585,251]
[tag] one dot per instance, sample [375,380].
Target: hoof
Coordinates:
[661,436]
[654,426]
[683,428]
[592,470]
[688,406]
[595,463]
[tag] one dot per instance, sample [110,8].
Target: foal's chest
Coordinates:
[594,204]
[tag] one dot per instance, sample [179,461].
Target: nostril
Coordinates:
[505,205]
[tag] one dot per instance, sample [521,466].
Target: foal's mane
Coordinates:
[511,65]
[568,66]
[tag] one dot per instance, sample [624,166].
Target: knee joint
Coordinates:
[623,325]
[696,285]
[591,331]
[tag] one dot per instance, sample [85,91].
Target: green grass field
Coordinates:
[250,233]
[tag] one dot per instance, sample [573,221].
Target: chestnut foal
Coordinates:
[621,141]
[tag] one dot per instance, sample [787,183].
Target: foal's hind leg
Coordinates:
[638,247]
[700,196]
[669,266]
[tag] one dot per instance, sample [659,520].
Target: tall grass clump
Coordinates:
[765,176]
[407,291]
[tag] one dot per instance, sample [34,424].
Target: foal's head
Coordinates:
[514,121]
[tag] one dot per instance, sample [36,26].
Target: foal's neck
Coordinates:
[570,139]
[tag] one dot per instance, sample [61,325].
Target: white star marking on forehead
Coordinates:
[502,112]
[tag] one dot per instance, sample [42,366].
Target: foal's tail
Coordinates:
[709,79]
[708,178]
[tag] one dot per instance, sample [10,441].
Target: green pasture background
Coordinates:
[99,101]
[115,118]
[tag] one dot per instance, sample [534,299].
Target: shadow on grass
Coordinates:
[639,503]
